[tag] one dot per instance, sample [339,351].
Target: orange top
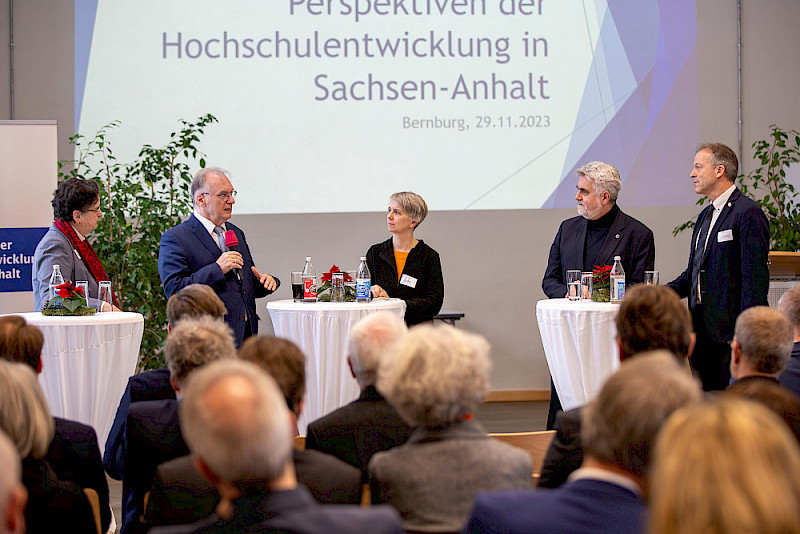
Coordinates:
[400,260]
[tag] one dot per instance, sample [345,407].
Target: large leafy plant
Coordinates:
[140,201]
[767,185]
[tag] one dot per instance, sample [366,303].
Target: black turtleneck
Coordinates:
[596,233]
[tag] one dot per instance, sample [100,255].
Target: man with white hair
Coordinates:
[762,344]
[369,424]
[600,232]
[239,430]
[13,495]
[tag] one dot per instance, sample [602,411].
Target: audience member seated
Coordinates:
[194,300]
[775,397]
[790,307]
[240,432]
[606,495]
[762,343]
[369,424]
[649,318]
[435,377]
[13,495]
[73,454]
[53,504]
[181,494]
[728,466]
[152,431]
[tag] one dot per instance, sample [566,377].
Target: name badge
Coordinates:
[409,281]
[724,235]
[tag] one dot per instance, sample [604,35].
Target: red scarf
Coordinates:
[88,255]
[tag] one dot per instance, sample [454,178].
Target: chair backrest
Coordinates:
[94,501]
[534,443]
[300,443]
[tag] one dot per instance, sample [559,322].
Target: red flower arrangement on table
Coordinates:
[601,283]
[324,291]
[69,300]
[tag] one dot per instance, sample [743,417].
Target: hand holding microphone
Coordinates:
[232,242]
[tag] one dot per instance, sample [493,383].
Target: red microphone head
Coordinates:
[231,240]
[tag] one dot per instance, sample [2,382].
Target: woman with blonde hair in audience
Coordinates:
[53,505]
[435,377]
[728,467]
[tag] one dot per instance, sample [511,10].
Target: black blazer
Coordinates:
[54,504]
[736,274]
[188,255]
[627,238]
[424,300]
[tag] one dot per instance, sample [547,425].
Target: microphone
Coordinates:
[232,242]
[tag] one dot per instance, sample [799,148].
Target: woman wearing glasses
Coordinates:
[76,211]
[404,267]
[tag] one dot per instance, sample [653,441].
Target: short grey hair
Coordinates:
[24,414]
[605,178]
[789,305]
[369,340]
[766,338]
[412,204]
[235,419]
[200,177]
[620,425]
[195,342]
[10,470]
[722,155]
[434,375]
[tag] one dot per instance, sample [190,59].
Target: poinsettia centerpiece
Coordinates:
[68,300]
[601,283]
[324,290]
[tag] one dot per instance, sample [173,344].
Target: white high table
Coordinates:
[579,339]
[321,329]
[86,362]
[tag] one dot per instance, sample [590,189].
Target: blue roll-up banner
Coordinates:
[16,257]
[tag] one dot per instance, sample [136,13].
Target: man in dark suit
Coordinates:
[152,431]
[181,494]
[605,494]
[369,424]
[238,427]
[790,307]
[194,300]
[73,454]
[650,318]
[727,271]
[600,232]
[195,252]
[762,344]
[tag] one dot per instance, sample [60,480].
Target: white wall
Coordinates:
[480,250]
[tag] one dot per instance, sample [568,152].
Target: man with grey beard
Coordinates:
[600,232]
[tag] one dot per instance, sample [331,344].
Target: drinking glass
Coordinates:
[337,287]
[573,284]
[586,285]
[651,278]
[297,286]
[84,285]
[104,295]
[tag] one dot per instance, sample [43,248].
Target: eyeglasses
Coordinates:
[225,196]
[96,210]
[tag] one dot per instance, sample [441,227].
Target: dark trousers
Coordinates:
[555,407]
[710,360]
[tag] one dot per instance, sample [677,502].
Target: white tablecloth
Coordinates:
[320,329]
[579,339]
[86,364]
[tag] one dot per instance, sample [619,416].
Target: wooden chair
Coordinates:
[300,443]
[534,443]
[94,501]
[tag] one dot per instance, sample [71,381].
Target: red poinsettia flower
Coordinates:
[63,292]
[79,291]
[601,272]
[326,277]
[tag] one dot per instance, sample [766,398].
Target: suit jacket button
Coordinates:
[241,317]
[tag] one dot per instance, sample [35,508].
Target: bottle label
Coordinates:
[309,287]
[618,289]
[362,288]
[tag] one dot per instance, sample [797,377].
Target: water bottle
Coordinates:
[309,282]
[617,281]
[363,281]
[55,280]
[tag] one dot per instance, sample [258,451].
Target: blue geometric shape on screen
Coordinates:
[85,13]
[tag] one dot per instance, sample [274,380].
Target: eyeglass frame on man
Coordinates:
[224,196]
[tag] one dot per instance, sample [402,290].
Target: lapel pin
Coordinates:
[617,236]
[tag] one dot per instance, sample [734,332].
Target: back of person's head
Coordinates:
[765,336]
[283,361]
[369,341]
[728,466]
[24,414]
[780,400]
[653,317]
[435,375]
[20,341]
[194,300]
[789,305]
[234,418]
[620,425]
[12,493]
[196,342]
